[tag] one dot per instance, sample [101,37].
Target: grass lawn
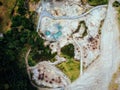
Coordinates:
[71,68]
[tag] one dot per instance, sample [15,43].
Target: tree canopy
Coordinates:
[68,50]
[13,47]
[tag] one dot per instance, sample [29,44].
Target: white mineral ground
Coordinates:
[99,74]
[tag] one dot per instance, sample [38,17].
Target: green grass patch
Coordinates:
[71,68]
[97,2]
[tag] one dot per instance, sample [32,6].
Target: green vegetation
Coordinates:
[118,14]
[85,32]
[9,8]
[100,28]
[14,45]
[6,7]
[71,68]
[116,4]
[41,53]
[1,3]
[53,60]
[12,64]
[68,50]
[78,28]
[97,2]
[36,1]
[22,21]
[113,85]
[22,7]
[81,23]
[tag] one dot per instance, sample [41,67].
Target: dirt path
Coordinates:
[28,67]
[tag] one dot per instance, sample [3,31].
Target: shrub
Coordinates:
[68,50]
[116,4]
[1,3]
[97,2]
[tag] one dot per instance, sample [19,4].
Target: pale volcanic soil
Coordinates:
[98,76]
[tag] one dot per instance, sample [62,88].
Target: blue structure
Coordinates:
[57,35]
[47,33]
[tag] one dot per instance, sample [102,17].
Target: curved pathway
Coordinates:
[28,67]
[45,13]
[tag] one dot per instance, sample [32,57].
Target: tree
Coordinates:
[68,50]
[1,3]
[12,64]
[16,21]
[116,4]
[22,7]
